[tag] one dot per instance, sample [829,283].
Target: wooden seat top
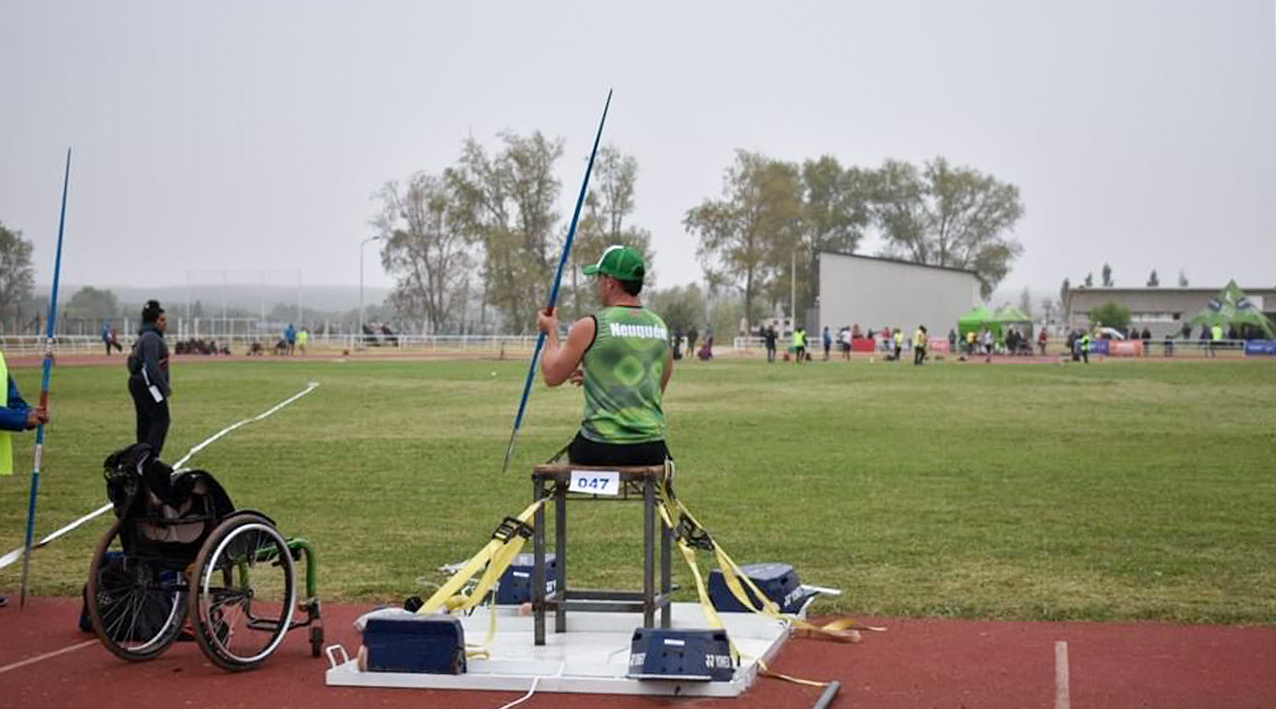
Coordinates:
[626,471]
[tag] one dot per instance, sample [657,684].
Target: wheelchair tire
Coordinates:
[243,592]
[135,608]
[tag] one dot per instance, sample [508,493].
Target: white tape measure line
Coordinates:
[16,554]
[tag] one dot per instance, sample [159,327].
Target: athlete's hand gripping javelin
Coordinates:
[562,363]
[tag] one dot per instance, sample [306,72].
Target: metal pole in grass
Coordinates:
[44,392]
[553,293]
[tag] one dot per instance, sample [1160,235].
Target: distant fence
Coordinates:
[524,344]
[239,344]
[1055,346]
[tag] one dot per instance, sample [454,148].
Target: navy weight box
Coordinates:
[665,653]
[778,581]
[426,644]
[515,586]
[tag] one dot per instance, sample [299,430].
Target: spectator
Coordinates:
[988,344]
[109,339]
[290,337]
[1216,339]
[148,381]
[899,343]
[677,342]
[770,336]
[828,342]
[952,341]
[15,415]
[919,345]
[692,336]
[845,336]
[1041,341]
[799,344]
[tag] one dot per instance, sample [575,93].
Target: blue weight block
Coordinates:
[778,581]
[425,644]
[688,655]
[515,586]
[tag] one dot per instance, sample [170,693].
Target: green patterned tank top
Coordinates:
[623,369]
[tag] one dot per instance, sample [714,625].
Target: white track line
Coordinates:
[16,554]
[45,656]
[1062,698]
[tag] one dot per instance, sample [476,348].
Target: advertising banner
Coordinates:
[1260,348]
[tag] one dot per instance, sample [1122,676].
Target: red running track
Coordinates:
[916,663]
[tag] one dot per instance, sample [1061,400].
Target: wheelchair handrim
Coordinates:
[289,601]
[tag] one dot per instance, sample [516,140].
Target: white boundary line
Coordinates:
[45,656]
[1062,690]
[16,554]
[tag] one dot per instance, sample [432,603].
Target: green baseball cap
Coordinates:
[620,262]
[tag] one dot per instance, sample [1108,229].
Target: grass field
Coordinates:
[1122,490]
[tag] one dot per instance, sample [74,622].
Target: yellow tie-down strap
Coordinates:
[499,553]
[842,629]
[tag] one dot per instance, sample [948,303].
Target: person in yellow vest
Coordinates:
[15,415]
[303,339]
[1216,337]
[919,345]
[799,344]
[899,343]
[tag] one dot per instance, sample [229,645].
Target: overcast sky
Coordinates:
[242,135]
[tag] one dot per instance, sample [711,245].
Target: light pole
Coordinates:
[362,244]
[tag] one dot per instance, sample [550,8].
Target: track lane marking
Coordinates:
[1062,690]
[45,656]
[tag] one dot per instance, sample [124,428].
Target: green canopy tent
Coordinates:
[1232,307]
[1011,314]
[975,320]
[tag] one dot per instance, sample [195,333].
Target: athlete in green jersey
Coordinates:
[622,357]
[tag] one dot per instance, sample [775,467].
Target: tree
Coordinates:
[1025,302]
[1111,314]
[1107,276]
[744,237]
[89,303]
[17,277]
[1063,290]
[609,203]
[1049,306]
[1089,280]
[680,307]
[427,249]
[835,213]
[1182,279]
[945,216]
[1153,280]
[506,203]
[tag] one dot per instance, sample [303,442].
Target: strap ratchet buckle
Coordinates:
[510,526]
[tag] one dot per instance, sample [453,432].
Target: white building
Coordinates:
[875,292]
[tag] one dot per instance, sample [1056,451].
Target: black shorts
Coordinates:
[583,451]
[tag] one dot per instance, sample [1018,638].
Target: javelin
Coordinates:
[44,392]
[553,293]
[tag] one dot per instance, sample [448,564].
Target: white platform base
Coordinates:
[591,658]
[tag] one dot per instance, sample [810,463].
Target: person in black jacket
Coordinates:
[148,378]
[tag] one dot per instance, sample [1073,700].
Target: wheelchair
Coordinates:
[181,560]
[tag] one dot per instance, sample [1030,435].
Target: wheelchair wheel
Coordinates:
[136,607]
[243,592]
